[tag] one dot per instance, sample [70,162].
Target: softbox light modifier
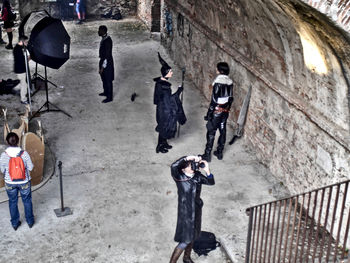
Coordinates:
[49,42]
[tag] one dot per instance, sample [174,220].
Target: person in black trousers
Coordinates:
[218,112]
[6,16]
[106,66]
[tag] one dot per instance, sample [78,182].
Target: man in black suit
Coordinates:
[106,67]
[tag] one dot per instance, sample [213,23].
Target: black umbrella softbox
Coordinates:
[49,42]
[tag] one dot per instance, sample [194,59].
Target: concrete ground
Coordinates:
[123,198]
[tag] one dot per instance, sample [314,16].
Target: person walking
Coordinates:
[8,17]
[218,112]
[189,181]
[16,164]
[106,64]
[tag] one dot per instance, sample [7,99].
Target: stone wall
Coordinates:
[149,12]
[94,8]
[296,62]
[144,12]
[98,7]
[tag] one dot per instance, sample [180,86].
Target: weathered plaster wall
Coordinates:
[93,7]
[298,119]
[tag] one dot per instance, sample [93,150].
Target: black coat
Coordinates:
[19,59]
[105,52]
[169,109]
[189,210]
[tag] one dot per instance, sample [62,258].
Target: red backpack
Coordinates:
[17,169]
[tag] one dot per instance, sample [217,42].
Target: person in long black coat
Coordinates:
[169,108]
[106,64]
[189,218]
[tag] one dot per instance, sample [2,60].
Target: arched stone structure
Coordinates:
[337,10]
[296,59]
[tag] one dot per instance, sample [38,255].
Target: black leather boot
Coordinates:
[187,255]
[206,156]
[160,148]
[166,145]
[218,154]
[176,254]
[209,146]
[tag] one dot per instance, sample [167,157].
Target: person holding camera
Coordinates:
[219,108]
[189,180]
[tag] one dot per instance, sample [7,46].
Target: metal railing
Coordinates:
[312,226]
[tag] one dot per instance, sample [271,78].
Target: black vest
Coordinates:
[19,66]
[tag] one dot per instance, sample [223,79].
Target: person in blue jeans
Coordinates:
[80,9]
[22,186]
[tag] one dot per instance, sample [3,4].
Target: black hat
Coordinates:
[165,67]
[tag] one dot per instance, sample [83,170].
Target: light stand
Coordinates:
[48,103]
[29,82]
[36,74]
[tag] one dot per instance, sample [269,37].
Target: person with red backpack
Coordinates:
[16,164]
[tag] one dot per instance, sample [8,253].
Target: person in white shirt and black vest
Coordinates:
[106,65]
[219,108]
[20,66]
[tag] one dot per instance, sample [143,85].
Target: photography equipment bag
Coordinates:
[117,15]
[205,243]
[6,86]
[17,169]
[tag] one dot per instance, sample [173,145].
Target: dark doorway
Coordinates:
[155,16]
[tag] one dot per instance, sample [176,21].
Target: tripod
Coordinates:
[47,103]
[36,74]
